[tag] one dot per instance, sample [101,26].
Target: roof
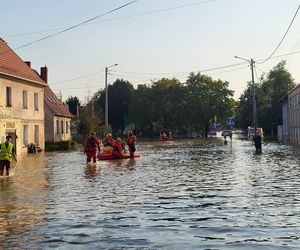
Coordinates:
[284,98]
[12,65]
[55,104]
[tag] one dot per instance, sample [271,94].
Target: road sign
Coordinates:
[231,122]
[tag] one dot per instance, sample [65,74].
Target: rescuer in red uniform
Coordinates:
[91,145]
[131,139]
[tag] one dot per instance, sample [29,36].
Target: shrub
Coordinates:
[60,146]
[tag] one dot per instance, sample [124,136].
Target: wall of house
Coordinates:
[285,130]
[62,134]
[294,116]
[49,124]
[14,118]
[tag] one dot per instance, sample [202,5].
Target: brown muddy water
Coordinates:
[190,194]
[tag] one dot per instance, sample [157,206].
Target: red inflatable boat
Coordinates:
[108,156]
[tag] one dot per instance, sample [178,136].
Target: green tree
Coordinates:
[269,92]
[119,99]
[119,94]
[207,99]
[140,107]
[275,86]
[74,104]
[244,114]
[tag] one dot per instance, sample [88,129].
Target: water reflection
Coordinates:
[92,170]
[193,194]
[22,201]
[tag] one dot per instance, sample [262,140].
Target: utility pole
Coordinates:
[253,95]
[106,100]
[251,61]
[106,96]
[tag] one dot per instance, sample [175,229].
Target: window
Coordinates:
[62,126]
[25,105]
[36,101]
[57,127]
[25,134]
[36,134]
[67,127]
[8,97]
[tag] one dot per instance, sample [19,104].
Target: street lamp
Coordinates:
[106,95]
[251,62]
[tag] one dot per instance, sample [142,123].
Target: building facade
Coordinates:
[57,118]
[291,116]
[21,101]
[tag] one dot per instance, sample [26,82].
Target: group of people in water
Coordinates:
[257,139]
[114,146]
[164,137]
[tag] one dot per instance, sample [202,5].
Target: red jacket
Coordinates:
[130,139]
[91,144]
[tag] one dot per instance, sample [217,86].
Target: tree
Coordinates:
[269,92]
[140,107]
[276,85]
[244,114]
[119,99]
[207,99]
[74,104]
[119,94]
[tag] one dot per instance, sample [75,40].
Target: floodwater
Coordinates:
[191,194]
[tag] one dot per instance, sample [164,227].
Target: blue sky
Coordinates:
[150,42]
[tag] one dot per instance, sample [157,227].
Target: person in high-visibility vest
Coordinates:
[7,154]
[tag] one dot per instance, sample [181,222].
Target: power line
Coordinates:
[158,11]
[178,73]
[72,27]
[181,73]
[77,78]
[119,18]
[158,74]
[78,87]
[283,35]
[149,73]
[227,71]
[282,55]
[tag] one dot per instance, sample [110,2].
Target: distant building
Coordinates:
[291,116]
[21,101]
[57,117]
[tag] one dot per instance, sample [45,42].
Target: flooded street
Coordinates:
[191,194]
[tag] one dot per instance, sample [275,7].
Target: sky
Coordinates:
[151,39]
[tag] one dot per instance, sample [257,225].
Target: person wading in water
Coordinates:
[90,147]
[7,153]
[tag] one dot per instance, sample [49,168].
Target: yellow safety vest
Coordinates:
[6,153]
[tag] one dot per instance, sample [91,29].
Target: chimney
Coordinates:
[44,74]
[28,64]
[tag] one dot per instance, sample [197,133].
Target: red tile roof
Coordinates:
[12,65]
[55,104]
